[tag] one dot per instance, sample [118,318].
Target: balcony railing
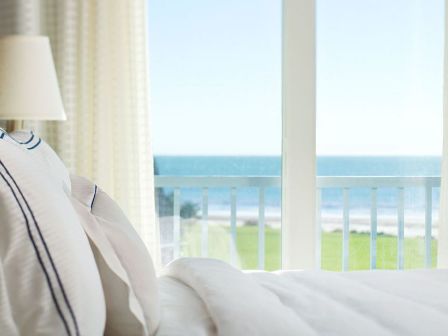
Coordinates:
[346,184]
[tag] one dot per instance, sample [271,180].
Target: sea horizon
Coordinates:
[219,199]
[327,165]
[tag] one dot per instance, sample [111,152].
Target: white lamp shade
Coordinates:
[28,84]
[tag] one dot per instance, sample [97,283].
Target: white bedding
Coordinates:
[209,297]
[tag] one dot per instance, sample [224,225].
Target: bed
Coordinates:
[209,297]
[72,264]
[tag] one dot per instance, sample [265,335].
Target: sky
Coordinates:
[215,71]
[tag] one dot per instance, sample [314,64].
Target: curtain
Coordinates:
[101,57]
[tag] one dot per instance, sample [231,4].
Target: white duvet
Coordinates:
[209,297]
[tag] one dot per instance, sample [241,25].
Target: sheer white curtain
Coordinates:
[101,56]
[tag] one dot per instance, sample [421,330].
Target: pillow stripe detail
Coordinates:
[36,144]
[17,141]
[29,140]
[39,257]
[93,198]
[3,133]
[53,266]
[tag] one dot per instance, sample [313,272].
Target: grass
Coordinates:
[359,248]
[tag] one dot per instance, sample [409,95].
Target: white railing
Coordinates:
[233,183]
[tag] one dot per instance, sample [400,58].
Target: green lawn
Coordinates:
[247,239]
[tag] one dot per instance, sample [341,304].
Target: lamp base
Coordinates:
[14,125]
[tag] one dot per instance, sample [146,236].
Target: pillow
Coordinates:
[7,324]
[42,151]
[126,268]
[48,270]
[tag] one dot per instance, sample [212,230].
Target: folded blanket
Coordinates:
[316,302]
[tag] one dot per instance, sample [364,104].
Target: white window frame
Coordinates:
[299,229]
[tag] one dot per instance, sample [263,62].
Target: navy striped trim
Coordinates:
[58,278]
[24,142]
[39,257]
[94,195]
[20,142]
[36,144]
[29,140]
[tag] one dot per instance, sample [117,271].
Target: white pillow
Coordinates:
[7,324]
[42,151]
[126,268]
[48,269]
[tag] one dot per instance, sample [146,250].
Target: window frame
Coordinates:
[300,241]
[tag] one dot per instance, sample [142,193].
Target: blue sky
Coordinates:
[215,69]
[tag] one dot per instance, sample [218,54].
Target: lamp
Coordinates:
[28,84]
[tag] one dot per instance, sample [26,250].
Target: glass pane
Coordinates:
[379,114]
[216,116]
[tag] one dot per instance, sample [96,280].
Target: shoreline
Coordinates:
[387,224]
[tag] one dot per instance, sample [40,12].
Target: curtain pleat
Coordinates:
[101,58]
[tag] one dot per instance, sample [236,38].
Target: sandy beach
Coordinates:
[386,224]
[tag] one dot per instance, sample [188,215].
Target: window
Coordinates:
[360,94]
[379,113]
[216,116]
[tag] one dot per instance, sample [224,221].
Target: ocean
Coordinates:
[219,199]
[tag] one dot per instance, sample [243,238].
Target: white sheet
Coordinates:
[183,312]
[218,299]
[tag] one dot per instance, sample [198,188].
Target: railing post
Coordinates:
[204,223]
[319,236]
[233,243]
[373,227]
[400,237]
[428,226]
[176,223]
[346,230]
[261,229]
